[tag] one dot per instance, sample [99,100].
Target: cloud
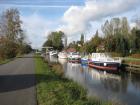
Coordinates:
[132,25]
[35,27]
[77,19]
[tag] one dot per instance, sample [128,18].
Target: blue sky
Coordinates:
[71,16]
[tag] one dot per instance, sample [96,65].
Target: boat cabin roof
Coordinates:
[100,55]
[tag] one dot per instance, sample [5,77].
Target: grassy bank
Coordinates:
[131,64]
[131,61]
[10,59]
[54,89]
[4,61]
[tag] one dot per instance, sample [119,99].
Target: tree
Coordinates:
[136,20]
[117,35]
[115,24]
[125,27]
[54,39]
[48,43]
[65,41]
[11,24]
[132,41]
[12,33]
[137,40]
[107,29]
[82,39]
[91,46]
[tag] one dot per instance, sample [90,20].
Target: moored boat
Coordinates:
[62,55]
[84,60]
[53,53]
[74,57]
[104,66]
[104,62]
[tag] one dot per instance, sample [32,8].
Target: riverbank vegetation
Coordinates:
[117,38]
[54,89]
[12,36]
[4,61]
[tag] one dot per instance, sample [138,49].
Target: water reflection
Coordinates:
[120,88]
[51,59]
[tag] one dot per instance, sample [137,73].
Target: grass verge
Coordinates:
[128,60]
[5,61]
[54,89]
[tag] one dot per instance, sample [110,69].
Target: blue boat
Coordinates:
[84,60]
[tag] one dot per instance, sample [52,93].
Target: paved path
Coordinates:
[17,82]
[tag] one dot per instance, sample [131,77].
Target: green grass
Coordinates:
[131,59]
[54,89]
[4,61]
[19,56]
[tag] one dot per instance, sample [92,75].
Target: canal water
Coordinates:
[124,89]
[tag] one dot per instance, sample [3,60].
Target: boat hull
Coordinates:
[62,57]
[84,61]
[74,60]
[101,66]
[53,54]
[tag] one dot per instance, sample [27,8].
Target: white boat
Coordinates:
[53,53]
[62,61]
[74,57]
[62,55]
[48,50]
[104,57]
[103,61]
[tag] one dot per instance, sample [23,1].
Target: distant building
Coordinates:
[71,50]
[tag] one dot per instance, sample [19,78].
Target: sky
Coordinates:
[73,17]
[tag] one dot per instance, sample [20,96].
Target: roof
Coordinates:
[71,50]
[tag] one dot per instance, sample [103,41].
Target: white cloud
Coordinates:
[132,25]
[77,19]
[35,27]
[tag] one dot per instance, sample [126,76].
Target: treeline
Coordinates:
[12,36]
[117,37]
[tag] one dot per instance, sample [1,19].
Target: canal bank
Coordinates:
[123,88]
[131,65]
[53,88]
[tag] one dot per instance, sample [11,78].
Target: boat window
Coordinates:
[74,53]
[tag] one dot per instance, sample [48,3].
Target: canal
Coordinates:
[123,88]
